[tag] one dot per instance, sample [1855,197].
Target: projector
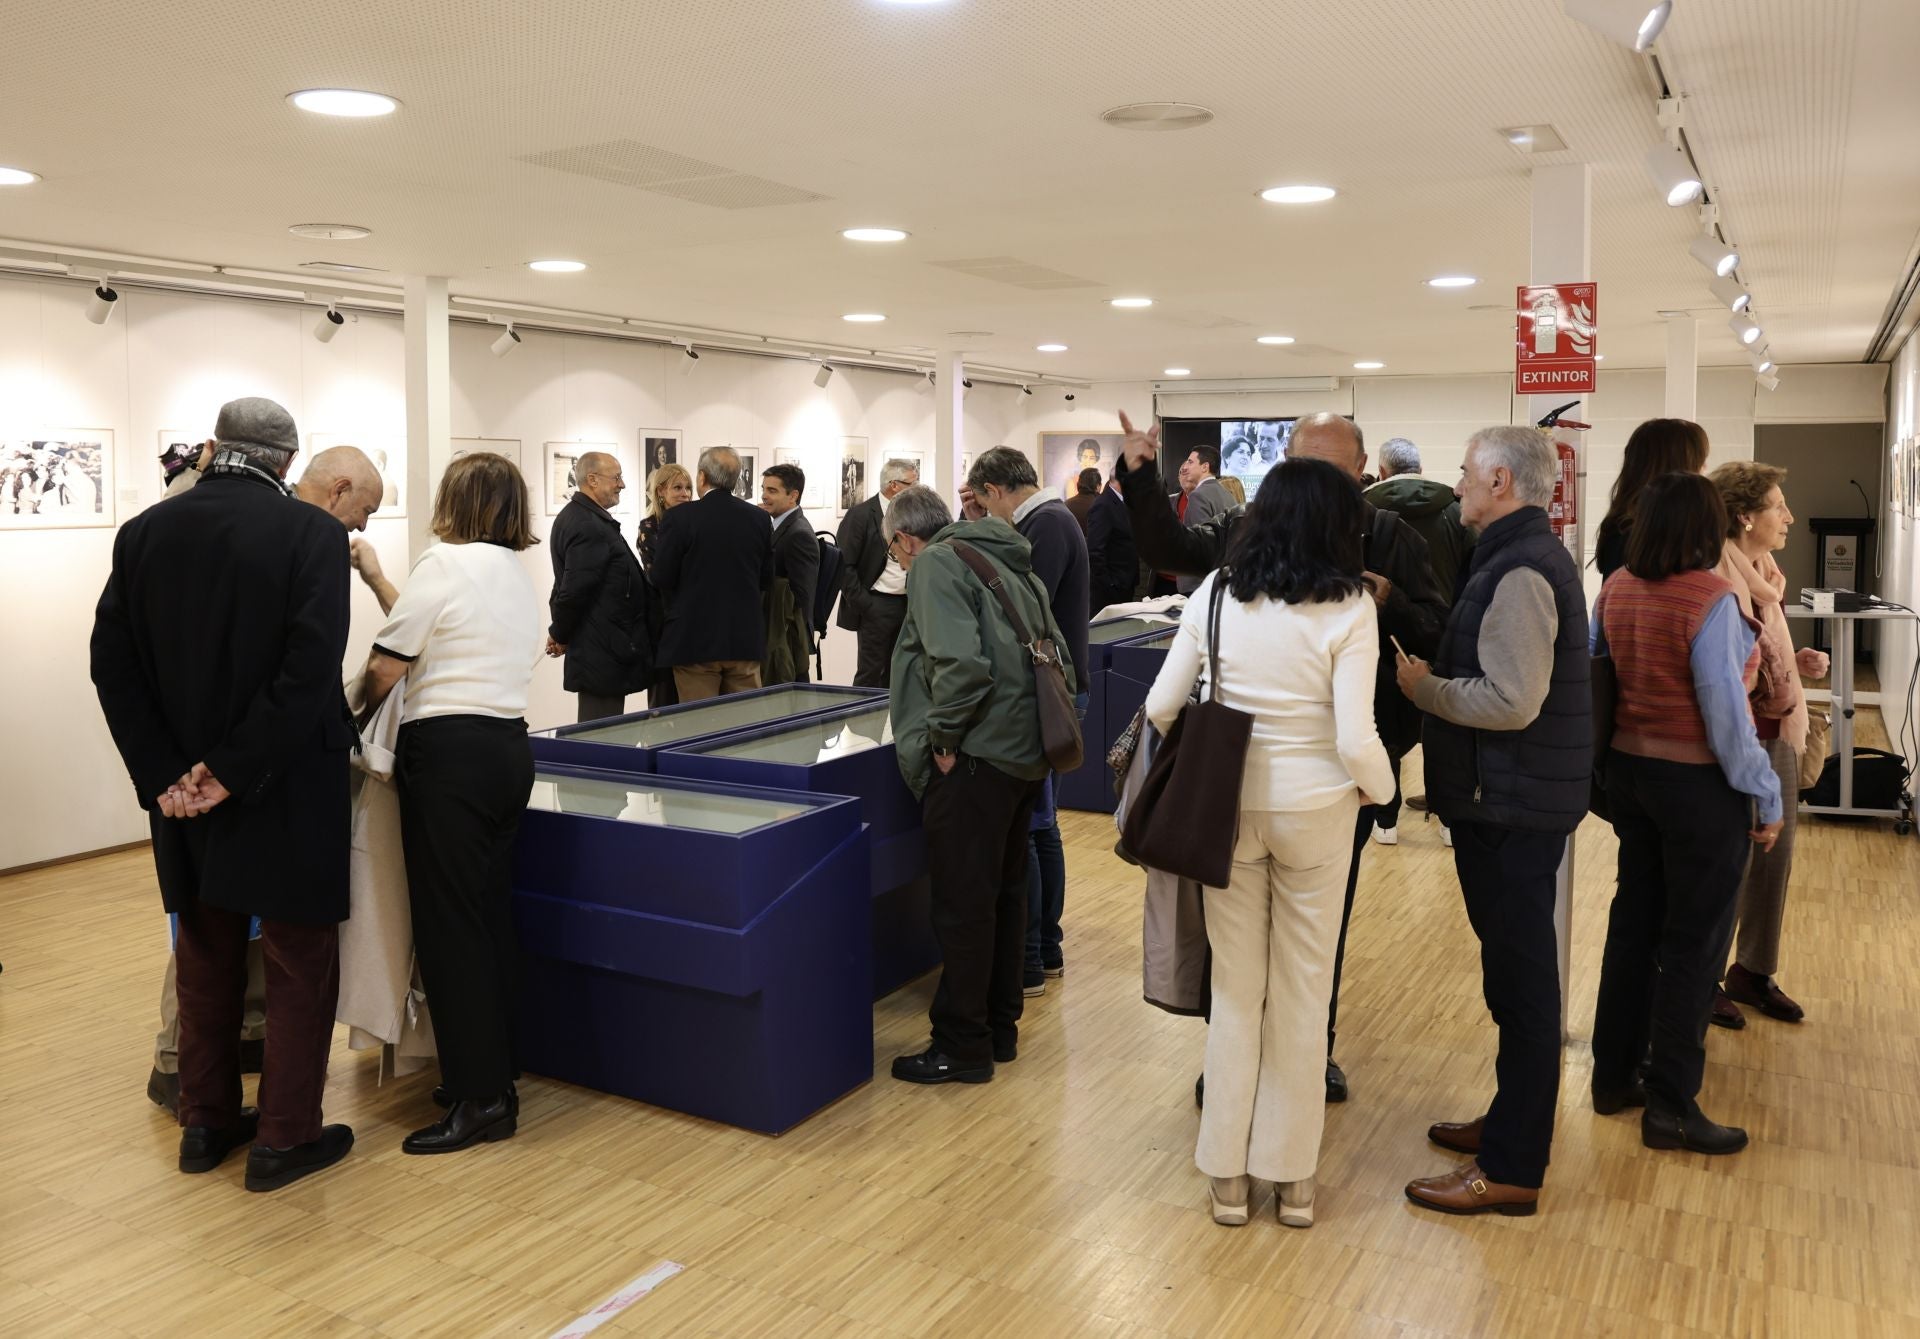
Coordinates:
[1844,601]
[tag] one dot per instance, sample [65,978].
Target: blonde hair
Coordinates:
[657,483]
[1744,485]
[483,499]
[1235,487]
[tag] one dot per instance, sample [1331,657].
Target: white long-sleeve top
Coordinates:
[1305,672]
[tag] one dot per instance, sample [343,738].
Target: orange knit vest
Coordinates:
[1650,627]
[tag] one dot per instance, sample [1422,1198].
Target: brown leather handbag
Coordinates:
[1186,818]
[1059,723]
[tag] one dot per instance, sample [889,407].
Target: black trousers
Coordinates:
[1507,877]
[1388,815]
[464,782]
[1362,829]
[880,620]
[1683,854]
[976,819]
[598,706]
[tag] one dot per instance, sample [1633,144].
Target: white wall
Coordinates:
[167,361]
[1899,551]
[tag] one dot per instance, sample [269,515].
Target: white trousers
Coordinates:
[1273,931]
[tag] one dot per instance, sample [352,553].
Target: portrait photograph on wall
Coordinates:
[853,473]
[658,446]
[1064,454]
[60,480]
[561,474]
[747,483]
[506,447]
[390,458]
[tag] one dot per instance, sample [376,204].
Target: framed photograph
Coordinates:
[390,458]
[1064,454]
[561,475]
[853,473]
[747,485]
[60,480]
[793,455]
[659,446]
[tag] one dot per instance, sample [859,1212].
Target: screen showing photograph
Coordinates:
[1251,447]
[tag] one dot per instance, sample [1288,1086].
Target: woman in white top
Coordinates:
[466,632]
[1299,648]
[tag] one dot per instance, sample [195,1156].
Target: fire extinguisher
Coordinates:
[1564,511]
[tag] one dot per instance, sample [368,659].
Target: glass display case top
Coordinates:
[1160,643]
[1119,629]
[815,741]
[722,714]
[643,800]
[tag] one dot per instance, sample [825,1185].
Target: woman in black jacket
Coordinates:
[1658,446]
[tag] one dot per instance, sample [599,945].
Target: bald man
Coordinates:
[602,606]
[1398,572]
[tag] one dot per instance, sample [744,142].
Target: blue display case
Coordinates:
[845,752]
[1134,667]
[1090,786]
[700,947]
[628,743]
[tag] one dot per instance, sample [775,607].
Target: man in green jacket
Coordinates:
[966,729]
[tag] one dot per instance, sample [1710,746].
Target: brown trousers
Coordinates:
[711,678]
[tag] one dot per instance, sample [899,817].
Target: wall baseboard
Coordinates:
[70,859]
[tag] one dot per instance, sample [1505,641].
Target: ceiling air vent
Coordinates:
[1157,116]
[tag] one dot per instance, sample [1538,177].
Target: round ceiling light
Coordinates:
[343,102]
[1274,339]
[1453,281]
[863,318]
[1368,367]
[557,266]
[1131,302]
[1157,116]
[1297,195]
[331,232]
[1051,348]
[874,234]
[17,176]
[1179,371]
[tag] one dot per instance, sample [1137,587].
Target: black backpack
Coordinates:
[826,591]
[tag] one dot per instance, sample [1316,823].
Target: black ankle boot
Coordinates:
[465,1124]
[1693,1132]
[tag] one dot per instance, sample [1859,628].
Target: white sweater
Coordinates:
[1305,672]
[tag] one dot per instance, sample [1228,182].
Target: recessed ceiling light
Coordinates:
[1297,195]
[1179,371]
[1131,302]
[1274,339]
[1452,281]
[331,232]
[863,318]
[343,102]
[1051,348]
[873,234]
[17,176]
[1368,367]
[557,266]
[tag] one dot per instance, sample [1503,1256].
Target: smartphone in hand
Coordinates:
[1398,649]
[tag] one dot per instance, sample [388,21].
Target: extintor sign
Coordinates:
[1555,338]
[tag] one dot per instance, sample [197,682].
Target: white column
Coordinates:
[1683,367]
[1562,253]
[949,424]
[429,403]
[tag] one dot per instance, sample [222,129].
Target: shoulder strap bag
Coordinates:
[1059,723]
[1186,818]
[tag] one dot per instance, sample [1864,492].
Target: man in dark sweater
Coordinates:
[1003,483]
[1398,574]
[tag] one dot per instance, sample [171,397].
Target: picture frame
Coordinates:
[557,474]
[793,455]
[660,446]
[390,458]
[507,447]
[58,479]
[853,473]
[746,484]
[1064,454]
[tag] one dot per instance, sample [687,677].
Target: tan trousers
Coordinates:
[166,1044]
[1273,931]
[711,678]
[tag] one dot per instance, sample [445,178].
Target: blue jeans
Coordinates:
[1047,883]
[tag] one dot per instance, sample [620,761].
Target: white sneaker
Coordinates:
[1230,1195]
[1293,1200]
[1446,836]
[1386,836]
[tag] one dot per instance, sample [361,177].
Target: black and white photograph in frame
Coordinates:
[658,446]
[508,448]
[853,473]
[746,484]
[390,458]
[60,479]
[561,474]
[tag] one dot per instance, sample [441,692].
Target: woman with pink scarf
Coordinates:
[1758,522]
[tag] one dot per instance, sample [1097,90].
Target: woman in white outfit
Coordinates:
[1299,647]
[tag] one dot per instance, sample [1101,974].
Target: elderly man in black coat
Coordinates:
[217,652]
[602,602]
[714,563]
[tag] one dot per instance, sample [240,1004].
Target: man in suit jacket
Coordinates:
[1201,498]
[601,598]
[217,650]
[796,575]
[873,586]
[714,563]
[1086,492]
[1113,563]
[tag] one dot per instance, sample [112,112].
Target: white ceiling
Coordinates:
[163,130]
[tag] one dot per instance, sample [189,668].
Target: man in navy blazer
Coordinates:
[1113,563]
[714,562]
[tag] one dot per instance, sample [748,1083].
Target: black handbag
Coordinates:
[1186,817]
[1059,723]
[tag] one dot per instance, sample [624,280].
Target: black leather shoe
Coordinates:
[1005,1051]
[930,1066]
[1200,1091]
[1336,1082]
[202,1149]
[272,1168]
[1694,1132]
[1611,1101]
[253,1056]
[163,1090]
[466,1124]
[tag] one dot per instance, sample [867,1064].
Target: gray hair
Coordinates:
[720,467]
[271,458]
[1004,468]
[897,470]
[917,511]
[1400,456]
[1525,453]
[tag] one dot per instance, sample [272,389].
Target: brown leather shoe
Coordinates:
[1725,1012]
[1761,992]
[1460,1136]
[1466,1191]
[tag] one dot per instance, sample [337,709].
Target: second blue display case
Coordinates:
[1090,786]
[628,743]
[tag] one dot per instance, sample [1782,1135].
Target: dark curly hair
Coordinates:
[1301,540]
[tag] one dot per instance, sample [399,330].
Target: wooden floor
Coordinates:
[1059,1200]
